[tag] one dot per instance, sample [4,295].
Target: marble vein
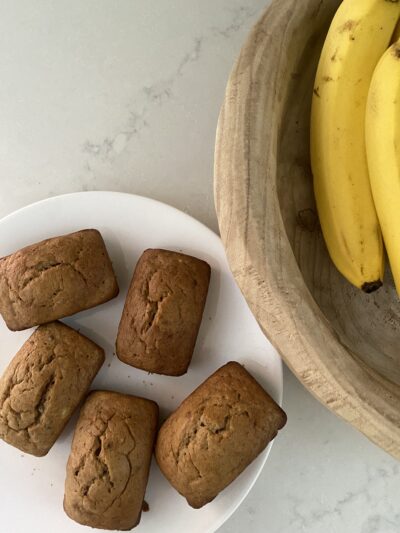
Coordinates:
[157,93]
[240,17]
[162,90]
[369,495]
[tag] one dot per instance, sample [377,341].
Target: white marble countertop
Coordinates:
[124,95]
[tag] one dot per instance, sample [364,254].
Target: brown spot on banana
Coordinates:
[348,26]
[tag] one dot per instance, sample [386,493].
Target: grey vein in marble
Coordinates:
[239,18]
[161,90]
[157,93]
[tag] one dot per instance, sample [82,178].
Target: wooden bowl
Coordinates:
[342,344]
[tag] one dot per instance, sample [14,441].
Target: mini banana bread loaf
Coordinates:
[44,384]
[55,278]
[163,312]
[216,433]
[108,468]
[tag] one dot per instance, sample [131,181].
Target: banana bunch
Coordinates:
[355,141]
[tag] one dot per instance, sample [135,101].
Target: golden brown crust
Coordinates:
[44,384]
[55,278]
[110,458]
[163,312]
[216,433]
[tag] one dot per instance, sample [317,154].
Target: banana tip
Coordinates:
[372,286]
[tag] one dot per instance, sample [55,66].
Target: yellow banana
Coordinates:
[359,34]
[382,131]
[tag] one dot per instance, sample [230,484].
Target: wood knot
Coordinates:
[307,219]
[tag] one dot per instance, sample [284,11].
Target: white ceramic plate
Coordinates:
[32,488]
